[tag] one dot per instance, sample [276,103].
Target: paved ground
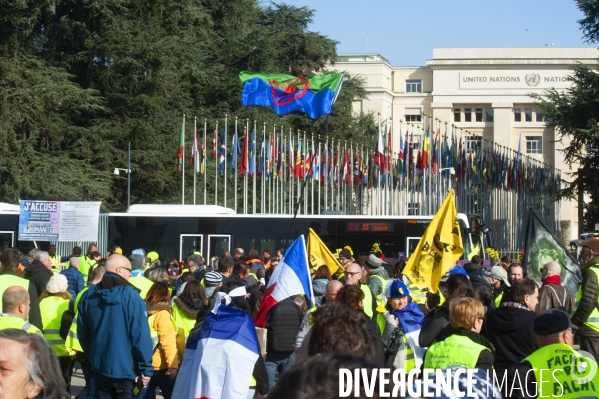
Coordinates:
[77,382]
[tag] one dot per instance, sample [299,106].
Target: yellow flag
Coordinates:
[438,249]
[319,254]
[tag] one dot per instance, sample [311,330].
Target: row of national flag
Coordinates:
[275,155]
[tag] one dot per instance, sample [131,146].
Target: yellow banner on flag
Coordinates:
[438,249]
[319,254]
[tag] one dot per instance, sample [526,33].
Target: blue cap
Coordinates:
[398,289]
[458,270]
[138,252]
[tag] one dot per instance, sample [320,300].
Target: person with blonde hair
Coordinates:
[462,345]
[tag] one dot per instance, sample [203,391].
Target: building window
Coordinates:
[413,118]
[517,115]
[489,112]
[414,86]
[539,115]
[534,144]
[528,114]
[479,114]
[467,114]
[472,144]
[413,208]
[416,145]
[457,115]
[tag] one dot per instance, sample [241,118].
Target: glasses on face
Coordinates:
[129,270]
[350,274]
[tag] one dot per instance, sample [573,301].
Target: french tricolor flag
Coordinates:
[219,361]
[291,277]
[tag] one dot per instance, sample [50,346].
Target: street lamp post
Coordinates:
[128,171]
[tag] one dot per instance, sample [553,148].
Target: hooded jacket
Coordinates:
[481,284]
[374,283]
[75,281]
[510,330]
[320,288]
[39,275]
[113,329]
[166,356]
[588,301]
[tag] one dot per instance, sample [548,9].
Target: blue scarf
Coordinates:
[410,318]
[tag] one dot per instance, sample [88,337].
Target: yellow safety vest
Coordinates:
[84,267]
[367,299]
[498,299]
[384,284]
[55,260]
[142,284]
[72,341]
[417,295]
[182,321]
[254,276]
[8,280]
[312,309]
[52,308]
[8,320]
[455,350]
[557,381]
[410,362]
[593,320]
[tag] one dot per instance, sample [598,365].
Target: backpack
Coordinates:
[562,304]
[282,324]
[65,323]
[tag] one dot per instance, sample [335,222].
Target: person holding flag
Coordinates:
[222,355]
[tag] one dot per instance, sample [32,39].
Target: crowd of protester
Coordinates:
[125,321]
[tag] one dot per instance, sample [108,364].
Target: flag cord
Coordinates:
[300,199]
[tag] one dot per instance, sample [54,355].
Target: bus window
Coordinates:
[7,239]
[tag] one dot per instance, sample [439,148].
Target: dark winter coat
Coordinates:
[75,280]
[588,301]
[433,324]
[39,275]
[320,288]
[510,330]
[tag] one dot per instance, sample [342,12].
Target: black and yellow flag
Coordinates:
[319,254]
[438,249]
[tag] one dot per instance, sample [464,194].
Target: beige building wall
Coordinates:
[456,80]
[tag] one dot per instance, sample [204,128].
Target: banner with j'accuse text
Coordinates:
[58,221]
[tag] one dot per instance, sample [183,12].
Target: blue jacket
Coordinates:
[113,329]
[75,280]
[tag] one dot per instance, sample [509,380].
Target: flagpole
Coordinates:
[195,160]
[183,162]
[264,167]
[246,141]
[216,156]
[225,164]
[204,163]
[253,145]
[234,155]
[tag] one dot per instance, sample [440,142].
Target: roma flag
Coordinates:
[286,93]
[319,254]
[179,159]
[438,249]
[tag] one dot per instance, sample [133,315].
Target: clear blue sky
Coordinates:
[406,31]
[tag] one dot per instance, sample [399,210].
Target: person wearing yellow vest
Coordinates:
[437,319]
[15,310]
[555,369]
[54,257]
[163,331]
[10,259]
[586,314]
[462,345]
[353,274]
[377,275]
[187,306]
[92,256]
[138,280]
[72,340]
[55,301]
[400,327]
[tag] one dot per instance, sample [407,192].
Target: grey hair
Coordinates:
[37,254]
[195,259]
[12,297]
[41,364]
[74,261]
[159,275]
